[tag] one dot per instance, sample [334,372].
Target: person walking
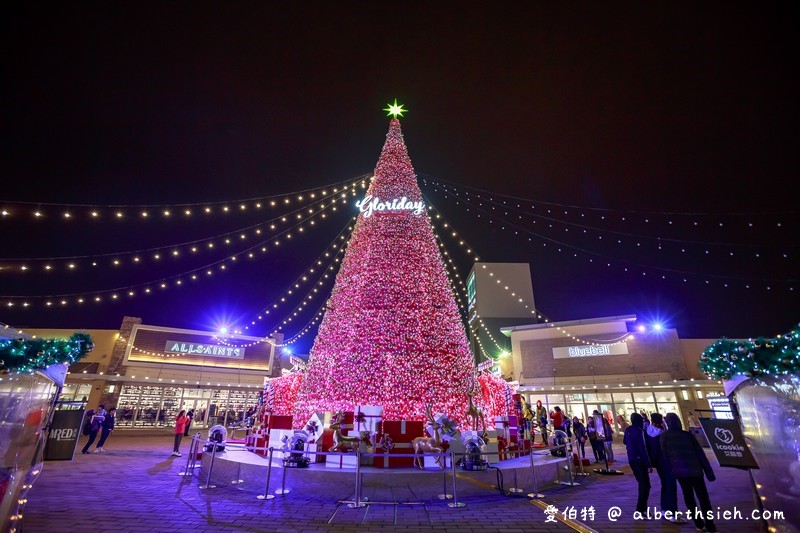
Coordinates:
[541,416]
[580,435]
[669,485]
[95,425]
[106,428]
[190,416]
[638,459]
[688,463]
[180,426]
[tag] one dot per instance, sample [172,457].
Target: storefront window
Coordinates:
[75,392]
[604,397]
[643,397]
[666,396]
[622,397]
[555,399]
[625,410]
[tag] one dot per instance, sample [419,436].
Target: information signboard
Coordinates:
[62,438]
[727,443]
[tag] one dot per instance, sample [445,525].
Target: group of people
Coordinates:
[98,421]
[597,430]
[661,444]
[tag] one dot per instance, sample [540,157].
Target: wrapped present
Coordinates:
[314,427]
[324,444]
[368,418]
[257,443]
[507,427]
[396,443]
[345,460]
[278,422]
[276,437]
[430,461]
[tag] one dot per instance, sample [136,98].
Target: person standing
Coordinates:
[558,419]
[688,463]
[190,416]
[693,422]
[580,435]
[180,426]
[669,486]
[106,429]
[639,460]
[541,416]
[95,425]
[608,437]
[596,436]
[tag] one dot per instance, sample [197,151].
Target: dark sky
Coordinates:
[679,107]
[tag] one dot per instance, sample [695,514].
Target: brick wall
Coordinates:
[660,354]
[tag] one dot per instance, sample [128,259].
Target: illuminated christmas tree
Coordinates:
[391,335]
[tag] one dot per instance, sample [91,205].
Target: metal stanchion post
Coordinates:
[534,493]
[238,479]
[283,489]
[455,502]
[358,502]
[568,452]
[515,489]
[197,439]
[267,495]
[444,495]
[210,467]
[188,460]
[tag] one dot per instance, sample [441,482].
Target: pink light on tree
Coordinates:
[391,335]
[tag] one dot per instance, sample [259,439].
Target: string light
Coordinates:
[118,212]
[724,281]
[534,312]
[193,246]
[164,283]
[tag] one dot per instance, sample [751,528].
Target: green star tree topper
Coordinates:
[394,110]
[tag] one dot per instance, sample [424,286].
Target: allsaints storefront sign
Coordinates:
[212,350]
[369,205]
[566,352]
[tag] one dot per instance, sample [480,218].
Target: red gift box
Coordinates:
[324,444]
[278,422]
[257,443]
[401,433]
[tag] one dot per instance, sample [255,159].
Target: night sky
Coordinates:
[622,111]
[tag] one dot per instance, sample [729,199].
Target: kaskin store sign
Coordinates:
[210,350]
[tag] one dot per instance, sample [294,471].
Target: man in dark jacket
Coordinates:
[688,463]
[106,428]
[638,459]
[669,485]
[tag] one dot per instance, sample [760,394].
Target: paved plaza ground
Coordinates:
[135,487]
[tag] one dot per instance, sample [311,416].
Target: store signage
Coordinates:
[721,407]
[567,352]
[212,350]
[727,443]
[62,437]
[369,205]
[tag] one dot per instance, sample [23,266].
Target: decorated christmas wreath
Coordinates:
[763,356]
[29,355]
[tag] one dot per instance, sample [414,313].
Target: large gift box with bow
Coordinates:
[395,444]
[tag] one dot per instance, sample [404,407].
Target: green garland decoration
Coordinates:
[775,356]
[28,355]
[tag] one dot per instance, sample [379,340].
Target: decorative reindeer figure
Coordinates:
[428,444]
[342,442]
[474,412]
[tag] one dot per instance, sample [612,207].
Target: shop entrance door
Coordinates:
[200,407]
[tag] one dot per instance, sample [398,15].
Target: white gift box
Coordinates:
[371,416]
